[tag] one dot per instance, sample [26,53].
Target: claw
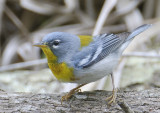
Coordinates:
[111,99]
[78,90]
[67,96]
[72,92]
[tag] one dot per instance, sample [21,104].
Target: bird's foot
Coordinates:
[111,99]
[68,95]
[72,92]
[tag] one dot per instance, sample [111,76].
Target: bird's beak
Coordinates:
[41,45]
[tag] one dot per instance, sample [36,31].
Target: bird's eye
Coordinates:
[56,42]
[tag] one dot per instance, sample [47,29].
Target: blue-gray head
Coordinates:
[62,44]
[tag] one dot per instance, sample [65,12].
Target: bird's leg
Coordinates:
[73,91]
[112,98]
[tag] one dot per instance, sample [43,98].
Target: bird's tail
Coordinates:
[132,35]
[138,30]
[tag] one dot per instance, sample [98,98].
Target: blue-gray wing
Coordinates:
[105,44]
[102,46]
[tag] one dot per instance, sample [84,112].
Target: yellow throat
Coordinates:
[60,70]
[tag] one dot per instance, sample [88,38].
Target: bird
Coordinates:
[84,59]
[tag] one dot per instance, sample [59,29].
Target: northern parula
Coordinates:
[85,59]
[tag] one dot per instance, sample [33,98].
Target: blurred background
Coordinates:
[23,67]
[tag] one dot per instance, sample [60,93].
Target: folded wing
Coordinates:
[102,46]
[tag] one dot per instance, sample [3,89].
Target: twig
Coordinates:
[85,19]
[123,11]
[23,65]
[107,7]
[16,21]
[125,107]
[142,54]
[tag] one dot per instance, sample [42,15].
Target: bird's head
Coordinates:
[59,45]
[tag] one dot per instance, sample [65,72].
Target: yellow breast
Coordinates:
[62,72]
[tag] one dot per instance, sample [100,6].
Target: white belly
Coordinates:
[97,71]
